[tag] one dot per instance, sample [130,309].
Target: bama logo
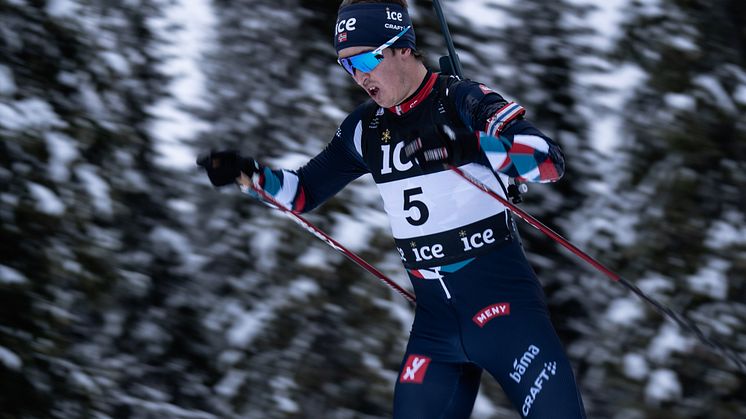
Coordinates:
[414,370]
[488,313]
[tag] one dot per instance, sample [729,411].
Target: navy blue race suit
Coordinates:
[480,305]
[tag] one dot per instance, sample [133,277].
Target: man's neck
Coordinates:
[418,76]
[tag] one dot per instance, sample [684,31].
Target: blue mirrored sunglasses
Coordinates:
[367,61]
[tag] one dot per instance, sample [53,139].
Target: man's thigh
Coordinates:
[430,389]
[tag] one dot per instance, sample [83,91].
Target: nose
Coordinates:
[360,77]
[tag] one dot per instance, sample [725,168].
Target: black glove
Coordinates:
[442,144]
[223,167]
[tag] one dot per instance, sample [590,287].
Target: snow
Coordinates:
[229,386]
[62,151]
[483,407]
[635,366]
[740,94]
[117,62]
[289,160]
[680,101]
[188,44]
[247,325]
[281,386]
[607,128]
[172,239]
[264,243]
[162,409]
[62,8]
[683,43]
[97,188]
[301,288]
[666,342]
[9,275]
[182,206]
[625,311]
[7,84]
[46,200]
[729,231]
[314,257]
[353,233]
[92,101]
[83,381]
[663,385]
[479,12]
[654,285]
[711,280]
[28,114]
[10,359]
[712,86]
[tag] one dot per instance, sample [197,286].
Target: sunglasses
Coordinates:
[367,61]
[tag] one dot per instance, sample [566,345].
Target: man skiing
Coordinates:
[479,303]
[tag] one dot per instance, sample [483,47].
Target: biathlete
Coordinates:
[480,305]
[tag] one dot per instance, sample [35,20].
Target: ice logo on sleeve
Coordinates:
[414,369]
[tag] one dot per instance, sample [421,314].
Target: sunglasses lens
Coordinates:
[346,63]
[364,62]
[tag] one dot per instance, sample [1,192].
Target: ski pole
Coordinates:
[246,183]
[449,64]
[679,319]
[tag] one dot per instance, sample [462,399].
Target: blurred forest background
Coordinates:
[129,287]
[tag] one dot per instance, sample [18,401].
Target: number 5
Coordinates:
[421,207]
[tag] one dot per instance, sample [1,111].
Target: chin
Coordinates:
[382,103]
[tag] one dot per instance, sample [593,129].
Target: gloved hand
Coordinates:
[442,144]
[223,167]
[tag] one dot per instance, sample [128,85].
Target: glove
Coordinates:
[223,167]
[442,144]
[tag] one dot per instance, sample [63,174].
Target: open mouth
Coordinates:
[373,92]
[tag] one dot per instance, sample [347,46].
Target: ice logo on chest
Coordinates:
[521,365]
[401,165]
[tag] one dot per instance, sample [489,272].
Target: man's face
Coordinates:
[385,84]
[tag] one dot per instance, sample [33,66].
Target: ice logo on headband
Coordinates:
[394,15]
[345,25]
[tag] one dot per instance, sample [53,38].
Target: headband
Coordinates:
[371,25]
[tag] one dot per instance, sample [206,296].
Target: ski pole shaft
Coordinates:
[679,319]
[455,62]
[246,183]
[537,224]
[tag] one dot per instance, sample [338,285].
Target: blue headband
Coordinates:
[372,24]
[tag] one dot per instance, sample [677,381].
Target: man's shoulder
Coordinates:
[458,87]
[363,112]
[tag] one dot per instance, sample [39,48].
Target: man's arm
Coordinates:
[331,170]
[301,190]
[322,177]
[512,144]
